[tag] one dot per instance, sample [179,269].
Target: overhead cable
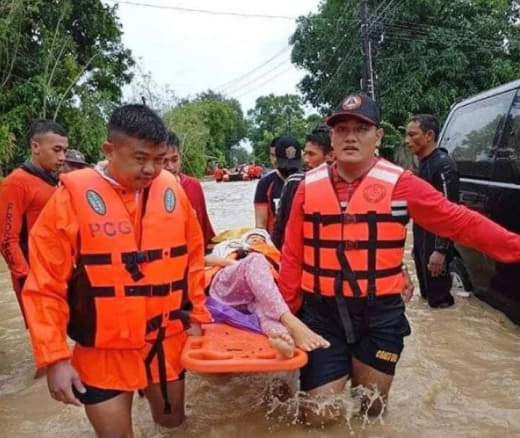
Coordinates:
[206,11]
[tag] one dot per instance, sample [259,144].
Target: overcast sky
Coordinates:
[194,51]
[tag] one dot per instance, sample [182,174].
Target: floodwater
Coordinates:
[459,375]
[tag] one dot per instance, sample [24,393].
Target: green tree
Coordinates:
[240,155]
[274,116]
[225,120]
[187,121]
[427,53]
[62,60]
[211,125]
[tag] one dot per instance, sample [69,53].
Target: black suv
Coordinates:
[482,134]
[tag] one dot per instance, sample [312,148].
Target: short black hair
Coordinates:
[274,141]
[320,136]
[138,121]
[427,122]
[172,139]
[44,126]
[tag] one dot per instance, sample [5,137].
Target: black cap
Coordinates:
[288,153]
[356,105]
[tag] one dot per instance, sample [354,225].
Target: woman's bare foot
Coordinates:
[282,343]
[303,336]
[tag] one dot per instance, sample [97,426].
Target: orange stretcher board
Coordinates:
[226,349]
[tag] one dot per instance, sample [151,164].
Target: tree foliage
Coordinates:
[207,125]
[63,60]
[427,54]
[274,116]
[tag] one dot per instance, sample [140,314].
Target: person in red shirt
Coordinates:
[192,186]
[346,231]
[24,193]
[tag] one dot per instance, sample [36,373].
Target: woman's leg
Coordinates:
[273,312]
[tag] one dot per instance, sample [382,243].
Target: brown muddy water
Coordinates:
[459,375]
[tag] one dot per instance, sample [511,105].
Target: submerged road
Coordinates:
[459,375]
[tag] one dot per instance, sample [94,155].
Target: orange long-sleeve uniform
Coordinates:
[22,198]
[54,248]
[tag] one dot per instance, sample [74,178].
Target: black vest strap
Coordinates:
[132,259]
[346,218]
[360,275]
[371,259]
[155,323]
[346,273]
[158,350]
[354,244]
[343,311]
[316,218]
[94,259]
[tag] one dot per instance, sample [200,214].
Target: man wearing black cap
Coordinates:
[342,259]
[269,188]
[316,151]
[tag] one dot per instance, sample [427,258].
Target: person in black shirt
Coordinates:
[316,151]
[432,253]
[269,188]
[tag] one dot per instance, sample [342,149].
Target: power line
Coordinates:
[206,11]
[259,86]
[377,14]
[276,67]
[248,73]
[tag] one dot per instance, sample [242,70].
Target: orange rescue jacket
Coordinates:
[357,252]
[122,290]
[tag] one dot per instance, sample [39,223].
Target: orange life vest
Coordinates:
[271,253]
[356,252]
[122,291]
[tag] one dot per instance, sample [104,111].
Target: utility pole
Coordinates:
[367,84]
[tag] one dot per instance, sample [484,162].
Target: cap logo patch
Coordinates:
[96,202]
[374,193]
[290,152]
[351,103]
[169,200]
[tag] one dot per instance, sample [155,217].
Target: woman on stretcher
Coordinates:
[242,275]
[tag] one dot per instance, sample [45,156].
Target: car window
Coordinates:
[507,165]
[473,133]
